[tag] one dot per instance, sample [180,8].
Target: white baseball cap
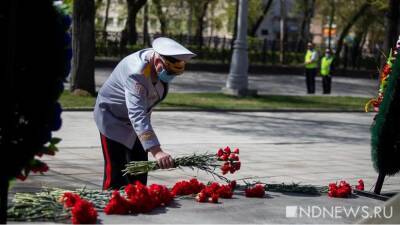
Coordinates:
[168,47]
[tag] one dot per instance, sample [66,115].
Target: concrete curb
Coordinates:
[90,109]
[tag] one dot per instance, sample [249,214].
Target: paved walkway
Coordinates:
[266,84]
[312,148]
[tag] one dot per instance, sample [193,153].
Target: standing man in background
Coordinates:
[311,64]
[326,68]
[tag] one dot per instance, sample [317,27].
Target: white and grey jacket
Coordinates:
[125,101]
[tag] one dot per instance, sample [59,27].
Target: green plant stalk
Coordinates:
[205,162]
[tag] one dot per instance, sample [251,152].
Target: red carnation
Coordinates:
[21,177]
[220,152]
[201,197]
[187,188]
[196,186]
[360,185]
[342,190]
[69,199]
[224,157]
[258,191]
[117,205]
[227,150]
[83,212]
[130,190]
[214,198]
[38,166]
[236,151]
[237,165]
[225,168]
[232,184]
[233,157]
[225,191]
[161,193]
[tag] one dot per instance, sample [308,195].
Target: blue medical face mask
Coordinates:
[164,76]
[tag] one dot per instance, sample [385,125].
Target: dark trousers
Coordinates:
[116,156]
[326,84]
[310,80]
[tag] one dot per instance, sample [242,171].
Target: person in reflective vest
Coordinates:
[325,72]
[311,64]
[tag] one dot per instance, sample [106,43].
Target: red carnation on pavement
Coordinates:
[227,150]
[224,157]
[343,190]
[225,191]
[236,165]
[196,186]
[69,199]
[187,187]
[360,185]
[225,168]
[232,163]
[220,152]
[161,193]
[233,157]
[258,191]
[83,212]
[117,205]
[130,190]
[201,197]
[232,184]
[214,198]
[144,201]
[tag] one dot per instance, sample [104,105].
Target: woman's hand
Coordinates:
[164,160]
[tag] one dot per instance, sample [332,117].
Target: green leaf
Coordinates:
[55,140]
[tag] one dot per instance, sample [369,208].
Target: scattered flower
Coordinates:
[360,185]
[118,205]
[83,212]
[258,191]
[343,190]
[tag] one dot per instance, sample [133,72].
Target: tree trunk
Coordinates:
[104,33]
[253,30]
[304,27]
[356,51]
[282,31]
[200,22]
[331,19]
[361,47]
[161,17]
[190,20]
[146,37]
[347,28]
[129,34]
[83,45]
[391,33]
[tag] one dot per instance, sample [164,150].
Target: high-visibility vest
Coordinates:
[326,65]
[307,58]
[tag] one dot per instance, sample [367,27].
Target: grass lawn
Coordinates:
[218,101]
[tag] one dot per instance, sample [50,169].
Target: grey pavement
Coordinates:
[201,81]
[311,148]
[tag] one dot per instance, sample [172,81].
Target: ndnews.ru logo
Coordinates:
[337,212]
